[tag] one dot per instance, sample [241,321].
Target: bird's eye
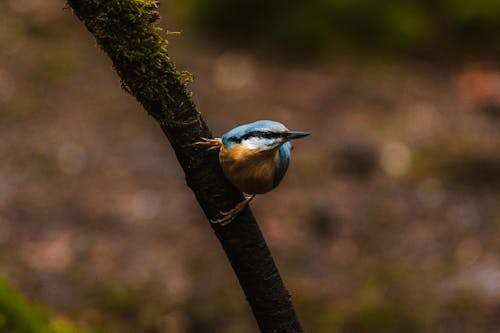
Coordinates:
[267,135]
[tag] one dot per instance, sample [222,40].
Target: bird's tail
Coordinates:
[210,144]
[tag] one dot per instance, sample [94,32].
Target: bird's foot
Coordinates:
[210,144]
[230,215]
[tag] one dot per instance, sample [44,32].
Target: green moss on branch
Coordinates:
[124,31]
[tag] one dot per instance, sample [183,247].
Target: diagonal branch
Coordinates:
[123,29]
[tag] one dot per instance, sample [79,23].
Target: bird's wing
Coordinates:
[283,161]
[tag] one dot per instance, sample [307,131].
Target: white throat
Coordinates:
[256,143]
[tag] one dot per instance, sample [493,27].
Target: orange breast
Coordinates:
[250,172]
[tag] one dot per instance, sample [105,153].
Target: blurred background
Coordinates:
[388,219]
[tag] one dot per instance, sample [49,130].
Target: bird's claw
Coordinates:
[210,144]
[230,215]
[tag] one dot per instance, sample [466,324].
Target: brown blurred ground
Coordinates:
[388,219]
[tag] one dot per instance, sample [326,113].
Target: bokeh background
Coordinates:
[388,219]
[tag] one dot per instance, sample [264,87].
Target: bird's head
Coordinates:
[262,135]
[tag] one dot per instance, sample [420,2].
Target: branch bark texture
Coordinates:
[123,29]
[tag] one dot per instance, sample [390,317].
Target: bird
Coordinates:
[254,157]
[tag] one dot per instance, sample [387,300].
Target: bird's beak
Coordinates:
[296,135]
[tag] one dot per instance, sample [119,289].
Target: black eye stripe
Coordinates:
[262,134]
[258,134]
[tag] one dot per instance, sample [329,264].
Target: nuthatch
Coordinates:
[254,157]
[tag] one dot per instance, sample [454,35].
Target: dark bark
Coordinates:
[124,31]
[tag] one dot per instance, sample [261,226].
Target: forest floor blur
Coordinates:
[387,221]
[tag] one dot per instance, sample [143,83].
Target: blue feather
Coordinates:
[283,161]
[240,131]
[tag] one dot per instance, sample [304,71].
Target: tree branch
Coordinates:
[124,31]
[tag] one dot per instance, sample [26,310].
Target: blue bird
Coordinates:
[254,157]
